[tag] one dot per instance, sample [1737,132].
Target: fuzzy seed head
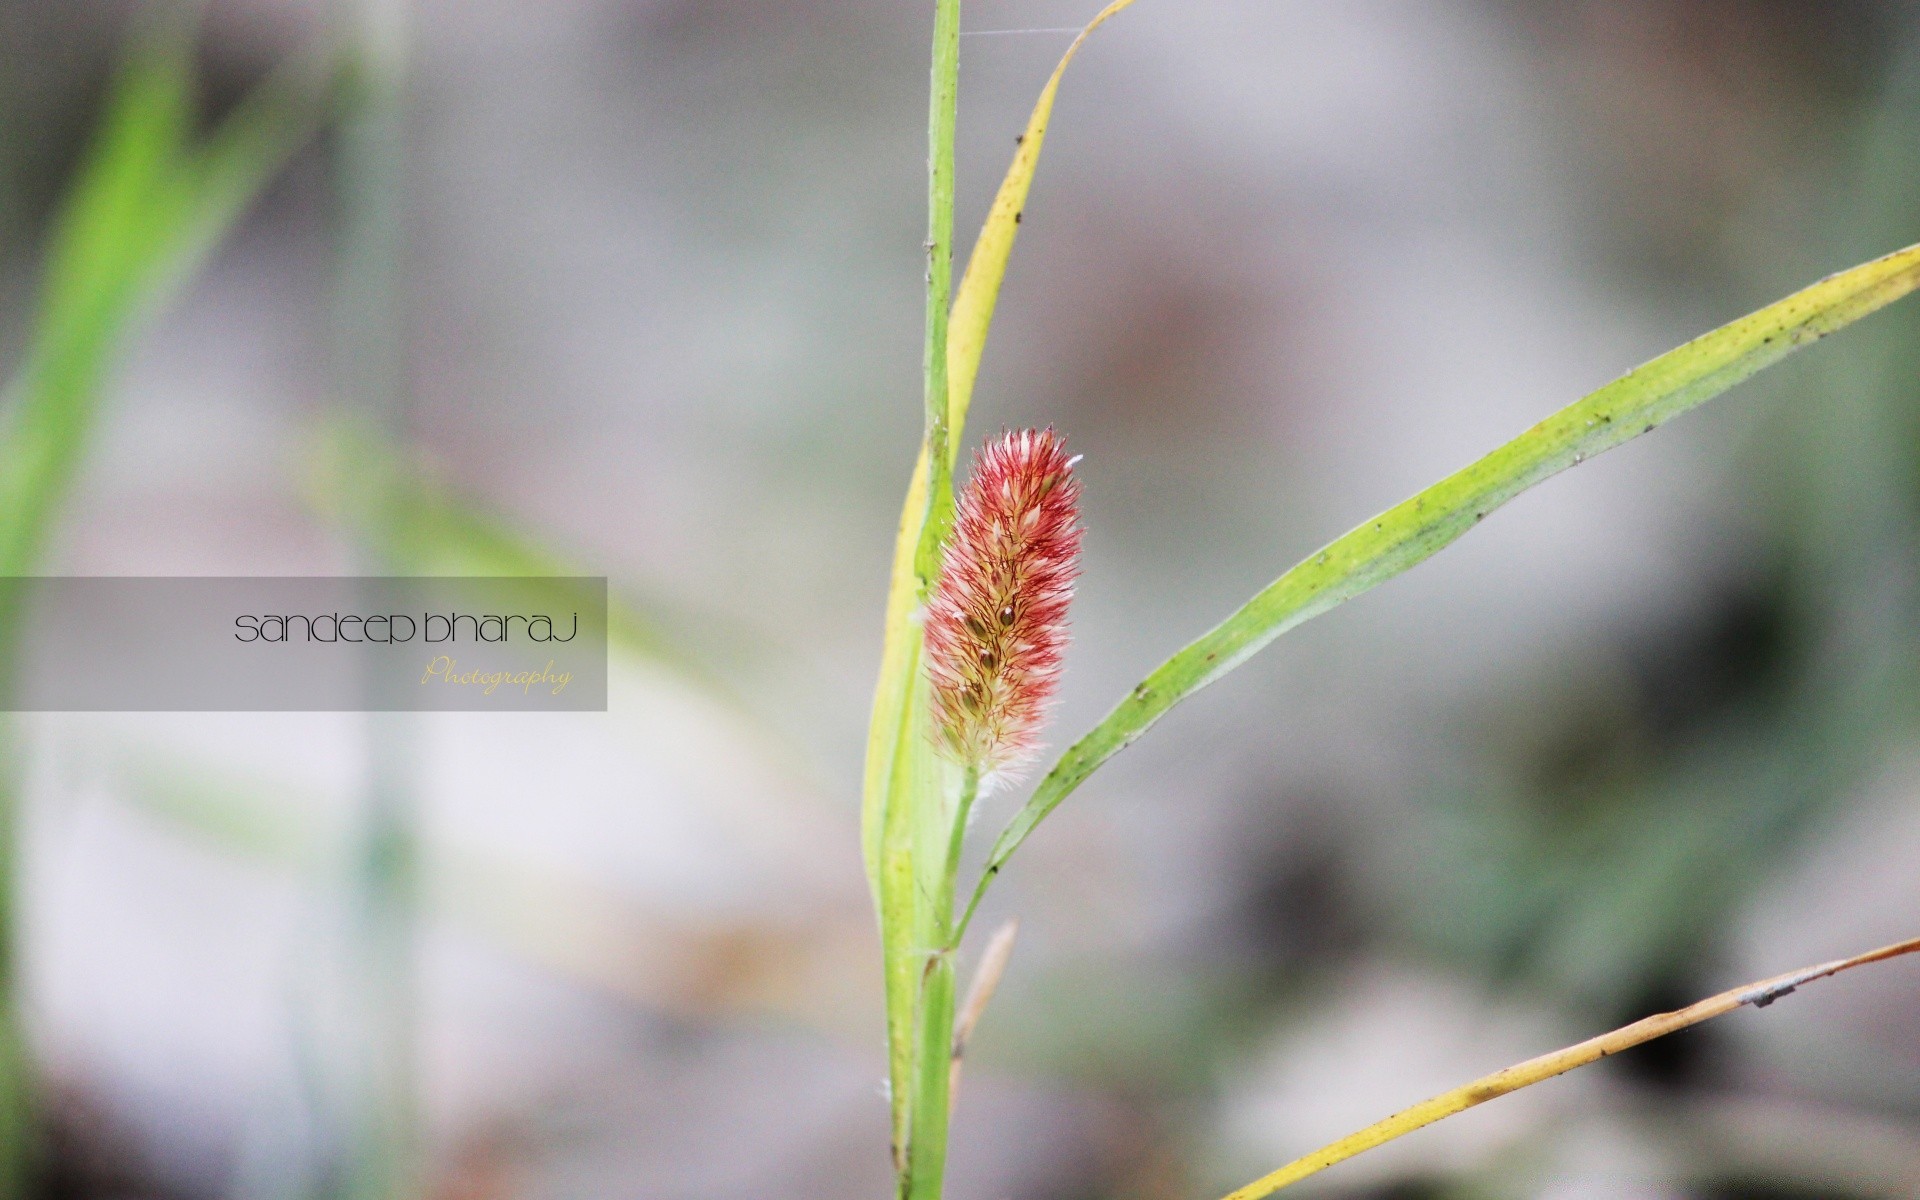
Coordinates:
[997,621]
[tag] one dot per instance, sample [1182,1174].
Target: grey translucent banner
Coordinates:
[303,644]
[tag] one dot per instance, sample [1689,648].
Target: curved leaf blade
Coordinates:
[1417,528]
[1537,1070]
[149,204]
[979,290]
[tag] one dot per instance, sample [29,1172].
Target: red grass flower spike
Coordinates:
[997,621]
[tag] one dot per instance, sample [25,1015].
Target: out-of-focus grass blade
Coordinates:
[358,480]
[361,482]
[1419,527]
[128,193]
[972,316]
[147,208]
[364,484]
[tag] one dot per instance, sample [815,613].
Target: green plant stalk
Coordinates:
[969,792]
[927,1156]
[942,117]
[916,890]
[933,1078]
[903,938]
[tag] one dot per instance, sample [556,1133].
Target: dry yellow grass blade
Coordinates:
[1535,1070]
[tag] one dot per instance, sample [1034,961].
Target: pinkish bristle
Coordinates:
[997,622]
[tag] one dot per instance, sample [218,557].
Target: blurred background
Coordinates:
[633,287]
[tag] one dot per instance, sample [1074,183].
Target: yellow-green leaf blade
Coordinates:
[1415,529]
[979,290]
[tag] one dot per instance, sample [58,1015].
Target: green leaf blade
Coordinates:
[145,210]
[1417,528]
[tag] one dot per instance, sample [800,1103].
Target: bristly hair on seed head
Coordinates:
[997,621]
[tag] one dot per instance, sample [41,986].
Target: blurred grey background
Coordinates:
[1649,732]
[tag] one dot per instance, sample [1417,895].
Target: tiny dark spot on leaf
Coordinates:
[1017,217]
[1648,429]
[1019,139]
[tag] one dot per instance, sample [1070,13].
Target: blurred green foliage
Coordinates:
[151,200]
